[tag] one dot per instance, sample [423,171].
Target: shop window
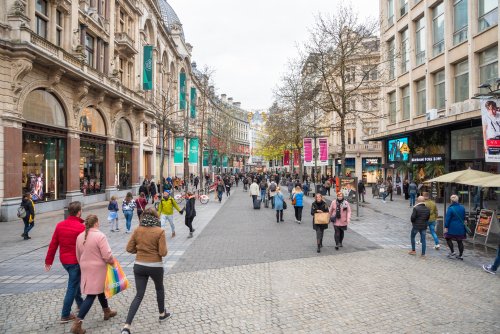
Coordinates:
[123,130]
[92,167]
[91,121]
[42,107]
[467,144]
[123,166]
[43,167]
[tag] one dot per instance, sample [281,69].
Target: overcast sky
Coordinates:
[248,42]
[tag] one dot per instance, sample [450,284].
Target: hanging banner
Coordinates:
[308,152]
[192,106]
[179,151]
[286,158]
[147,76]
[205,158]
[296,157]
[182,91]
[225,161]
[491,129]
[193,151]
[323,151]
[215,158]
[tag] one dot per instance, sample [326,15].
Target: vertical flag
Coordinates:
[205,158]
[147,77]
[296,157]
[225,161]
[193,151]
[323,151]
[193,102]
[182,91]
[308,152]
[179,151]
[286,158]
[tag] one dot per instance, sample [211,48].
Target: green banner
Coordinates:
[179,151]
[182,91]
[193,102]
[193,151]
[215,158]
[225,161]
[147,76]
[205,158]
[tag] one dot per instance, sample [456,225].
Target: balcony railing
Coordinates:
[125,43]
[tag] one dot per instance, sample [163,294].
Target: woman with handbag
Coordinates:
[279,205]
[340,212]
[149,243]
[297,202]
[454,227]
[318,207]
[93,254]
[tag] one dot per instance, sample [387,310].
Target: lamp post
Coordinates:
[186,146]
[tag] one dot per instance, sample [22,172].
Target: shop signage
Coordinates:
[286,158]
[490,114]
[147,83]
[483,226]
[427,158]
[372,161]
[179,151]
[308,151]
[398,149]
[193,151]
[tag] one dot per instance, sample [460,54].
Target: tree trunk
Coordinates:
[342,145]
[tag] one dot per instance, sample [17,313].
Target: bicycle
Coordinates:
[202,197]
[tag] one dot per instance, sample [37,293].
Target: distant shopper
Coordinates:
[263,190]
[64,238]
[361,191]
[278,205]
[93,254]
[432,218]
[298,203]
[128,207]
[254,190]
[190,211]
[166,211]
[272,192]
[419,219]
[319,205]
[220,189]
[113,214]
[149,244]
[228,188]
[406,190]
[29,218]
[454,227]
[340,211]
[141,203]
[153,190]
[412,190]
[492,268]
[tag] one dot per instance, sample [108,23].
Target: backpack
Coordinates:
[21,212]
[272,187]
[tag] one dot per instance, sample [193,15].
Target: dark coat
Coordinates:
[319,206]
[420,216]
[30,210]
[190,208]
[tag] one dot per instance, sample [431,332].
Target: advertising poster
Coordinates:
[348,186]
[286,158]
[398,149]
[296,157]
[490,115]
[483,226]
[179,151]
[308,151]
[323,151]
[193,151]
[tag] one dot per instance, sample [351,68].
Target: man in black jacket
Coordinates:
[419,218]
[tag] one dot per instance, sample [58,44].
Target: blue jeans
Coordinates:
[412,199]
[432,230]
[262,195]
[28,227]
[73,290]
[128,218]
[219,195]
[495,264]
[414,232]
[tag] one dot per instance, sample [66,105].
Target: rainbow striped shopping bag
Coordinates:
[116,281]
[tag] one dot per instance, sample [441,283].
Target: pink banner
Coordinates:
[286,158]
[296,157]
[323,150]
[308,150]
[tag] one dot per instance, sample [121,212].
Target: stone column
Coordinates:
[12,169]
[135,168]
[73,192]
[110,169]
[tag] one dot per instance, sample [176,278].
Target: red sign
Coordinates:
[286,158]
[493,143]
[296,157]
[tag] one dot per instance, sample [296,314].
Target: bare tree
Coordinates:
[343,68]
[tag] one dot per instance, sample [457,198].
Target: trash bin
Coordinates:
[66,213]
[440,226]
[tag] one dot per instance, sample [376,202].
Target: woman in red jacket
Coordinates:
[140,203]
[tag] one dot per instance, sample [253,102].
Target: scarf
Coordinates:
[339,204]
[149,221]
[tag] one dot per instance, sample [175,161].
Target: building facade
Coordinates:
[436,55]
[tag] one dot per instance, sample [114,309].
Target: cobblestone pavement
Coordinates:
[243,273]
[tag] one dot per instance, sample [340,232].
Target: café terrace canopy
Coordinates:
[462,176]
[488,181]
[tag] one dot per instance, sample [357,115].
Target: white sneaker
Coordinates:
[437,247]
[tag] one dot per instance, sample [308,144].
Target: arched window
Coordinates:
[91,121]
[43,107]
[123,130]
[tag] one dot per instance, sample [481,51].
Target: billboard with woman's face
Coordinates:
[490,114]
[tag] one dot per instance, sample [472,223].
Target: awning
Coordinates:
[462,176]
[488,181]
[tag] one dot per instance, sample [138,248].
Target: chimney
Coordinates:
[230,100]
[223,97]
[237,104]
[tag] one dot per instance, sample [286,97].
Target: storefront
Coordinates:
[123,155]
[371,170]
[43,147]
[92,152]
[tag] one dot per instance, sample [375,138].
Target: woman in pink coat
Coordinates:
[340,213]
[93,253]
